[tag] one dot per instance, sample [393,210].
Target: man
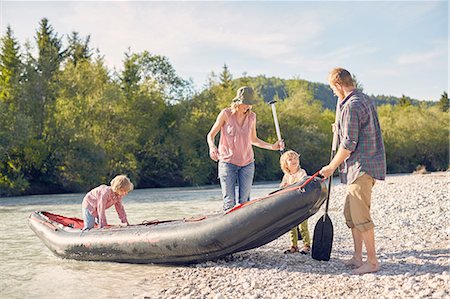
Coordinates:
[361,159]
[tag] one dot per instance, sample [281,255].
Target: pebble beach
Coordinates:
[412,219]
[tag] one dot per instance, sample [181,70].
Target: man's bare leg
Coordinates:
[371,265]
[356,260]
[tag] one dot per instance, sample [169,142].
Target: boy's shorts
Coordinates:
[357,203]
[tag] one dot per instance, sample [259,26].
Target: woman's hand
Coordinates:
[279,145]
[334,127]
[214,153]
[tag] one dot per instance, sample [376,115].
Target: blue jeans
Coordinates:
[229,174]
[88,219]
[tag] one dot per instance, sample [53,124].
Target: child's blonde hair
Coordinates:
[121,182]
[284,157]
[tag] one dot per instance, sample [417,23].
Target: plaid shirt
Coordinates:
[359,132]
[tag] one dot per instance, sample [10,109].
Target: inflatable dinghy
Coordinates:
[185,241]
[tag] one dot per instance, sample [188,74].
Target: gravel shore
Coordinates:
[411,214]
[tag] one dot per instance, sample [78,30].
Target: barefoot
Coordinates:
[293,249]
[353,263]
[367,268]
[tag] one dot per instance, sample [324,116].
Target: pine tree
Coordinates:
[78,49]
[225,77]
[444,101]
[14,125]
[130,77]
[49,46]
[404,101]
[358,84]
[42,76]
[10,69]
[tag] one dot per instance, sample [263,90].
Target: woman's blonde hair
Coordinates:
[341,76]
[121,182]
[284,157]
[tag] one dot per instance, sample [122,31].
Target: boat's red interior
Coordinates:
[66,221]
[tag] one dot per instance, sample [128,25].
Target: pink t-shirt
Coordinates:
[235,144]
[101,198]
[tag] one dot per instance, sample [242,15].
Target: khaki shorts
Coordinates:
[357,203]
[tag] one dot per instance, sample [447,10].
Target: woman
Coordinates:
[237,126]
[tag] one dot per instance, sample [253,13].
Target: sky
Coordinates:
[393,47]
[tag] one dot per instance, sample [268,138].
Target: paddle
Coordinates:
[323,232]
[275,119]
[277,128]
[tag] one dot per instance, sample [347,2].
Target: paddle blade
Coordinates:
[323,239]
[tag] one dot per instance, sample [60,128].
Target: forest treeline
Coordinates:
[69,123]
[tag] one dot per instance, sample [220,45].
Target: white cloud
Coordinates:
[423,58]
[184,29]
[283,39]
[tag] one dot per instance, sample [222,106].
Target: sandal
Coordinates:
[293,249]
[305,250]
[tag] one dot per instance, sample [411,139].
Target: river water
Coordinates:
[29,270]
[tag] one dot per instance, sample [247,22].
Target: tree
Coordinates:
[407,138]
[41,77]
[49,47]
[225,77]
[10,69]
[152,88]
[40,90]
[14,125]
[82,111]
[358,84]
[157,72]
[444,102]
[404,101]
[78,49]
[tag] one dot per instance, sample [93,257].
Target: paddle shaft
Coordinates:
[275,119]
[333,153]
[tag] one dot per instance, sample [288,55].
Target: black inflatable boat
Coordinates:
[185,241]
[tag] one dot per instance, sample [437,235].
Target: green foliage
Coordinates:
[225,77]
[10,70]
[14,136]
[78,49]
[15,126]
[404,101]
[444,102]
[358,83]
[408,138]
[82,114]
[49,47]
[68,124]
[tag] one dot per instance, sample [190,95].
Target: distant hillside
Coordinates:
[272,87]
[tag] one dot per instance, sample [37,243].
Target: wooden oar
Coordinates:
[323,232]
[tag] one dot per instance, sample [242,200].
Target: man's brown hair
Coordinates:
[341,76]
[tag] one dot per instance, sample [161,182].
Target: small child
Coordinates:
[290,164]
[103,197]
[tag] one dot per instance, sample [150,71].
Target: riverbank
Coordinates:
[411,214]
